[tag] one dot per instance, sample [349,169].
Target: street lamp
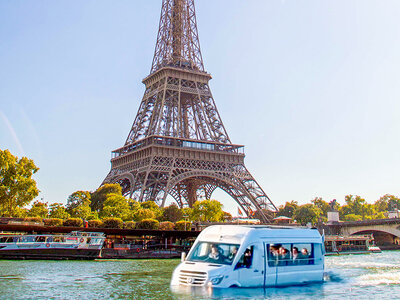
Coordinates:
[185,217]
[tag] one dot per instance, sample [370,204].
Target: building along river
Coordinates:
[366,276]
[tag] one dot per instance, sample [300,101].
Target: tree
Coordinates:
[100,195]
[148,224]
[307,213]
[77,199]
[113,223]
[143,213]
[17,187]
[171,213]
[386,203]
[322,205]
[151,205]
[116,206]
[352,217]
[208,210]
[187,213]
[57,211]
[357,206]
[183,225]
[288,209]
[167,225]
[39,209]
[78,205]
[134,205]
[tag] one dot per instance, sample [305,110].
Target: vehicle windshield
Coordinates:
[216,253]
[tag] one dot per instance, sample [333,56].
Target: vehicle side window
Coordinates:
[290,254]
[246,259]
[303,254]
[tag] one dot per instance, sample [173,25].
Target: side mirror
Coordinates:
[183,256]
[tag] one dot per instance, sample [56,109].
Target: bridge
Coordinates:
[386,231]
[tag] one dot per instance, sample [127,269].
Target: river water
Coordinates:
[366,276]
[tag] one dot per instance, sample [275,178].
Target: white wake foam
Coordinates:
[384,278]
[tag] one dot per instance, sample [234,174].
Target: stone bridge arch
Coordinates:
[393,229]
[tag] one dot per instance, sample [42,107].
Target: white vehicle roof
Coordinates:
[237,234]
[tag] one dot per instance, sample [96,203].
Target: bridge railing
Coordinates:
[370,222]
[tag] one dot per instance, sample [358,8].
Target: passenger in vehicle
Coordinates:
[295,256]
[304,253]
[274,250]
[247,258]
[304,256]
[233,253]
[273,255]
[284,256]
[214,254]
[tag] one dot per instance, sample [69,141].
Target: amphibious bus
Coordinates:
[252,256]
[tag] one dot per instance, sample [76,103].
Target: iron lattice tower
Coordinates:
[178,144]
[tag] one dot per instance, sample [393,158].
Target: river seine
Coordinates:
[373,276]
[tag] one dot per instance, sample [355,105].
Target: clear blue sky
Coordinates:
[312,88]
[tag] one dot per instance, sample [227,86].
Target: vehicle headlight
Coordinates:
[216,280]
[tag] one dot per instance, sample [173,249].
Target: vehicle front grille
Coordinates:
[195,278]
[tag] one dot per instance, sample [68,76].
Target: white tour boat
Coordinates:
[75,245]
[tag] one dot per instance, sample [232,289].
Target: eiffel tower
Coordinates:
[178,145]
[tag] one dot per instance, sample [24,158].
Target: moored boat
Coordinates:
[75,245]
[355,244]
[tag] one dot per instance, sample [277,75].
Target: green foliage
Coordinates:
[151,205]
[187,213]
[387,203]
[78,205]
[53,222]
[95,224]
[113,223]
[82,212]
[307,213]
[130,225]
[167,225]
[288,209]
[134,205]
[100,195]
[183,225]
[379,215]
[39,209]
[322,205]
[148,224]
[355,205]
[116,206]
[77,199]
[143,213]
[19,212]
[57,210]
[208,210]
[17,187]
[172,213]
[93,216]
[352,217]
[73,222]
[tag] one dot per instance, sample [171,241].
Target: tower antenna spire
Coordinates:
[178,42]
